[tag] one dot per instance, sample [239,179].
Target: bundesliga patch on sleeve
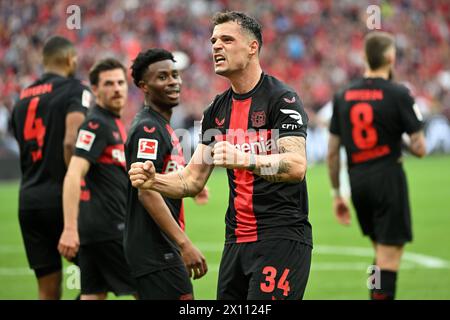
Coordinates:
[86,98]
[147,149]
[85,140]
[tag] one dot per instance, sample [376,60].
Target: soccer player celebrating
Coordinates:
[45,122]
[369,117]
[160,254]
[99,166]
[267,252]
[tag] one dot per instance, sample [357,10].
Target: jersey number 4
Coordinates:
[363,133]
[34,129]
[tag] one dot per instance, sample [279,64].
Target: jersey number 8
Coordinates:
[363,133]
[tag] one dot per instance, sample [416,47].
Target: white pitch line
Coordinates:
[416,258]
[410,260]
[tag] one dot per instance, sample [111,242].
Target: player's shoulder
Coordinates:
[219,101]
[144,122]
[397,89]
[278,93]
[275,87]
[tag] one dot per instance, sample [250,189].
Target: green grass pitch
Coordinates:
[341,255]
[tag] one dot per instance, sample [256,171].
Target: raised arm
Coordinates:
[186,183]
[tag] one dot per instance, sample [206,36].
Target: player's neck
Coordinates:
[246,80]
[55,70]
[165,112]
[380,73]
[116,112]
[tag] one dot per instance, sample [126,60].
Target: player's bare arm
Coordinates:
[289,165]
[333,160]
[417,144]
[69,242]
[194,260]
[73,123]
[186,183]
[340,207]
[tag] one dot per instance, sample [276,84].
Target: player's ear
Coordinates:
[143,86]
[94,89]
[254,46]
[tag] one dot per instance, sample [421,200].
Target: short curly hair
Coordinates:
[144,59]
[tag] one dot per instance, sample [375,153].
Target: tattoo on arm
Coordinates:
[276,169]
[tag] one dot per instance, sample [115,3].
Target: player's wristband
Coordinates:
[335,193]
[252,164]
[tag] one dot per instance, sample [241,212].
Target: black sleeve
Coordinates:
[80,98]
[335,127]
[147,143]
[207,134]
[92,140]
[288,116]
[409,112]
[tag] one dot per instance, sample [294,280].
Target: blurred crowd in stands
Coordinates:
[314,46]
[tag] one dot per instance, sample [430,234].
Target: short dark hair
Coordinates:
[104,65]
[249,24]
[144,59]
[375,45]
[56,48]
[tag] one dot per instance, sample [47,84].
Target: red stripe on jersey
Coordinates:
[175,142]
[123,132]
[243,202]
[113,155]
[181,216]
[179,162]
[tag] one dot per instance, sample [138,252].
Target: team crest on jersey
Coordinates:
[85,140]
[258,119]
[147,149]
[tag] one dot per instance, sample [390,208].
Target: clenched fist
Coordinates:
[227,156]
[142,174]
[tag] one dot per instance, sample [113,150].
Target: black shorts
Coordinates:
[168,284]
[264,270]
[41,230]
[382,205]
[104,269]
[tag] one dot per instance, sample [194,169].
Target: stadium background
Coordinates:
[314,46]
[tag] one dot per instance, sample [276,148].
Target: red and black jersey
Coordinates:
[39,125]
[259,209]
[101,140]
[370,115]
[147,248]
